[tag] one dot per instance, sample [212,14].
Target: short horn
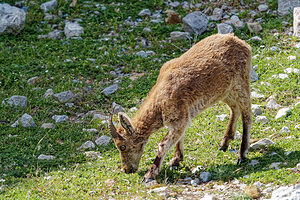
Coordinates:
[112,128]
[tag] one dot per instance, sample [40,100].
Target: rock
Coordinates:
[25,121]
[253,162]
[12,19]
[174,4]
[205,176]
[45,157]
[298,166]
[16,101]
[224,28]
[222,117]
[256,95]
[110,90]
[172,17]
[275,165]
[49,17]
[73,29]
[91,130]
[161,191]
[50,5]
[261,143]
[177,35]
[285,129]
[236,22]
[33,80]
[238,135]
[281,76]
[86,145]
[282,113]
[103,140]
[137,76]
[64,97]
[274,48]
[256,38]
[97,116]
[56,35]
[292,57]
[286,7]
[48,93]
[262,119]
[146,29]
[292,70]
[253,75]
[256,109]
[286,193]
[117,108]
[195,182]
[48,126]
[70,105]
[144,12]
[263,7]
[272,104]
[143,54]
[60,118]
[253,191]
[208,197]
[195,23]
[254,27]
[197,169]
[217,14]
[92,155]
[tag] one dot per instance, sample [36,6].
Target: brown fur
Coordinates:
[215,69]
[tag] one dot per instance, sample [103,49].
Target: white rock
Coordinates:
[25,121]
[91,130]
[33,80]
[253,162]
[16,101]
[92,154]
[195,23]
[235,21]
[292,57]
[238,135]
[48,93]
[285,7]
[50,5]
[282,113]
[275,165]
[256,109]
[146,29]
[46,157]
[256,95]
[205,176]
[274,48]
[103,140]
[70,105]
[174,4]
[12,19]
[285,129]
[253,75]
[110,90]
[197,169]
[60,118]
[73,29]
[177,35]
[143,54]
[208,197]
[144,12]
[64,97]
[261,143]
[256,38]
[101,117]
[258,184]
[272,104]
[48,125]
[87,145]
[222,117]
[298,166]
[262,119]
[291,70]
[224,28]
[263,7]
[254,27]
[195,182]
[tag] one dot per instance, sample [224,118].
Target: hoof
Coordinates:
[241,161]
[223,148]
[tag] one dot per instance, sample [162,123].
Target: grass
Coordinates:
[58,63]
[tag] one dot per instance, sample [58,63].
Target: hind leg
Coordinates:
[178,156]
[232,125]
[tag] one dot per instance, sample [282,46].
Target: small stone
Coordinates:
[73,29]
[103,140]
[282,113]
[56,35]
[93,155]
[285,129]
[33,80]
[253,191]
[205,176]
[296,23]
[256,38]
[195,23]
[25,121]
[285,7]
[144,12]
[146,29]
[48,93]
[117,108]
[109,183]
[70,105]
[50,5]
[263,7]
[45,157]
[292,57]
[136,76]
[91,130]
[64,97]
[253,162]
[272,104]
[16,101]
[224,28]
[177,35]
[298,166]
[98,116]
[143,54]
[172,17]
[262,119]
[254,27]
[274,48]
[48,126]
[174,4]
[253,75]
[60,118]
[110,90]
[256,95]
[195,182]
[256,109]
[236,22]
[261,143]
[87,145]
[292,70]
[238,135]
[222,117]
[275,165]
[208,197]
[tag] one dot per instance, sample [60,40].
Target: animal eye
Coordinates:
[122,147]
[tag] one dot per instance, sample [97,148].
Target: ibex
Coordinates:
[215,69]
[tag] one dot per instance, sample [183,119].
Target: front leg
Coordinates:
[165,145]
[178,156]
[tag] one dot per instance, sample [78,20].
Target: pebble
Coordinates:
[285,129]
[222,117]
[92,154]
[292,58]
[33,80]
[263,7]
[144,12]
[256,38]
[275,165]
[91,130]
[282,113]
[103,140]
[64,97]
[86,145]
[205,176]
[208,197]
[261,143]
[197,169]
[143,54]
[45,157]
[253,162]
[177,35]
[73,29]
[253,75]
[195,182]
[60,118]
[110,90]
[256,109]
[272,104]
[224,28]
[253,191]
[117,108]
[262,119]
[25,121]
[287,193]
[48,126]
[274,48]
[254,27]
[49,5]
[16,101]
[256,95]
[292,70]
[174,4]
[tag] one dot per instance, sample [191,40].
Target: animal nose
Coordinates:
[129,170]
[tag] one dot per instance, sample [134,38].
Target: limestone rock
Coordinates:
[296,22]
[285,129]
[103,140]
[217,14]
[282,113]
[263,7]
[286,7]
[33,80]
[92,155]
[25,121]
[48,126]
[117,108]
[292,70]
[12,19]
[91,130]
[50,5]
[64,97]
[253,75]
[73,29]
[286,193]
[272,104]
[195,23]
[256,109]
[110,90]
[262,119]
[254,27]
[253,191]
[205,176]
[144,12]
[16,101]
[87,145]
[222,117]
[261,143]
[45,157]
[236,22]
[224,28]
[177,35]
[48,93]
[60,118]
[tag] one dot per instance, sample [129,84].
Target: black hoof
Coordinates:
[241,161]
[223,148]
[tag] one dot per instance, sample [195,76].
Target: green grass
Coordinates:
[71,174]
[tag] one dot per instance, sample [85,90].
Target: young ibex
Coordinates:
[215,69]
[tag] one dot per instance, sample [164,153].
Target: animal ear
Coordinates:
[125,123]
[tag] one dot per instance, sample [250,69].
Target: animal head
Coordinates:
[128,142]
